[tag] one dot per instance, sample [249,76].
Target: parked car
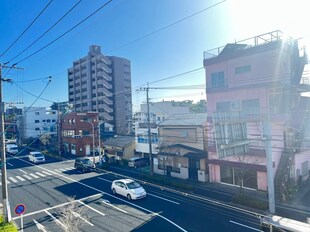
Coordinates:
[36,157]
[11,149]
[136,162]
[128,188]
[84,164]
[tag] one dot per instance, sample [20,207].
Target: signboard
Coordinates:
[20,209]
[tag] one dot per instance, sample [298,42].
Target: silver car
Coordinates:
[128,188]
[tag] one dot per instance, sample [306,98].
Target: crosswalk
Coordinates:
[34,175]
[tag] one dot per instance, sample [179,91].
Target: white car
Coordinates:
[128,188]
[36,157]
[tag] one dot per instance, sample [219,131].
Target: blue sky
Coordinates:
[173,50]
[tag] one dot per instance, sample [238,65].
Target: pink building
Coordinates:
[246,82]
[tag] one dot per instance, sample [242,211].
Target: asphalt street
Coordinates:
[51,189]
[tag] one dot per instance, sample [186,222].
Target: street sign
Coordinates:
[20,209]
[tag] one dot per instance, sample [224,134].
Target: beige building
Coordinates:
[182,143]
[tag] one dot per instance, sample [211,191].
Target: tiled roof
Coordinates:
[119,141]
[185,120]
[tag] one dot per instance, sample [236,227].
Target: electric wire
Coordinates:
[65,33]
[165,27]
[33,21]
[58,21]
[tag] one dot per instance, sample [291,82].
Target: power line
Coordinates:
[167,26]
[62,35]
[28,27]
[76,4]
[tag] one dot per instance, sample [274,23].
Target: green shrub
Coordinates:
[7,227]
[250,202]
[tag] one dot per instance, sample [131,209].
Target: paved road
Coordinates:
[46,188]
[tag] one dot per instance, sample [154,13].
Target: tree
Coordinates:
[72,216]
[199,107]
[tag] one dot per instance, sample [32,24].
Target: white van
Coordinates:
[11,149]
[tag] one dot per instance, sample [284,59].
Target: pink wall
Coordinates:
[262,181]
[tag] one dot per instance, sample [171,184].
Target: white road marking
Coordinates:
[22,171]
[40,174]
[69,169]
[39,226]
[120,199]
[62,170]
[33,175]
[12,179]
[93,209]
[27,177]
[56,220]
[113,206]
[83,219]
[104,180]
[20,178]
[47,173]
[57,206]
[10,164]
[249,227]
[174,202]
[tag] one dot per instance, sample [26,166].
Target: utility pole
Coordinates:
[149,128]
[270,177]
[5,199]
[59,129]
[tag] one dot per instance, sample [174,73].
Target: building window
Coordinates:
[37,113]
[37,129]
[243,69]
[275,103]
[236,176]
[223,106]
[36,121]
[250,106]
[48,120]
[304,169]
[53,120]
[217,80]
[145,139]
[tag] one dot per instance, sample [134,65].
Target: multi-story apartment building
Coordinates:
[37,121]
[249,83]
[98,83]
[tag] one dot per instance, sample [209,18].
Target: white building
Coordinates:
[159,111]
[37,121]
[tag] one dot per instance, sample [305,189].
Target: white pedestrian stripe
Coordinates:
[47,173]
[33,175]
[40,174]
[62,170]
[20,178]
[12,179]
[27,177]
[23,171]
[69,169]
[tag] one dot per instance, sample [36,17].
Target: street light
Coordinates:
[93,138]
